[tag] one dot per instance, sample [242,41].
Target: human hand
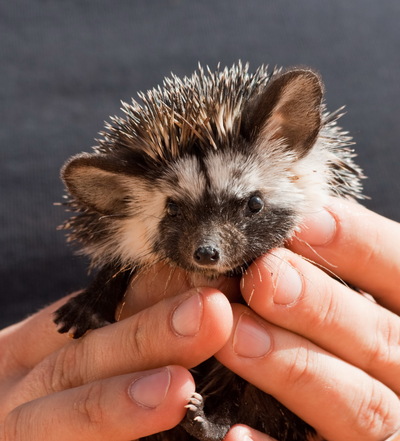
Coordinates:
[124,381]
[340,388]
[328,353]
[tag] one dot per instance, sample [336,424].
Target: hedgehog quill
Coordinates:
[206,173]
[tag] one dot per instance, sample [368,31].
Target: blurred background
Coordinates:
[65,66]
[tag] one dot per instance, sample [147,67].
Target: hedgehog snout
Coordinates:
[206,255]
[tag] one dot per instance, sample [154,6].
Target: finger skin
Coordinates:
[25,344]
[161,281]
[101,411]
[240,432]
[326,312]
[144,341]
[364,250]
[340,401]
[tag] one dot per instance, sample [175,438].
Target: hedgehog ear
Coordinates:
[97,183]
[288,110]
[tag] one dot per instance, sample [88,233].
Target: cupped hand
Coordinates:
[124,381]
[329,353]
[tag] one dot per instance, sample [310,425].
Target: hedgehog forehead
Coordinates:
[233,173]
[221,174]
[186,179]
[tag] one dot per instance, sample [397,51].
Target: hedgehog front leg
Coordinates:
[95,306]
[198,425]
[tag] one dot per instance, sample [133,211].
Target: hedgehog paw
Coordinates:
[198,425]
[76,317]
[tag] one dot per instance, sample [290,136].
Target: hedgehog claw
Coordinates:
[76,318]
[198,425]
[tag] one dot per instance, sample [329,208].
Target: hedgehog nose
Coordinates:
[206,255]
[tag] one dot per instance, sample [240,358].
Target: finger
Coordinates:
[161,280]
[240,432]
[288,291]
[119,408]
[25,344]
[339,400]
[358,245]
[183,330]
[394,437]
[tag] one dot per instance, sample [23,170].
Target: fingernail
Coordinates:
[319,228]
[186,319]
[287,282]
[251,339]
[150,390]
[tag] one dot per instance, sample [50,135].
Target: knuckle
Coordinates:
[326,311]
[385,349]
[367,256]
[301,370]
[375,414]
[91,407]
[58,372]
[64,369]
[323,307]
[13,425]
[16,425]
[137,335]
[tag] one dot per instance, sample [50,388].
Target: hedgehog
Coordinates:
[205,173]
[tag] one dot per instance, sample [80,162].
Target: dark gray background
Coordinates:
[64,66]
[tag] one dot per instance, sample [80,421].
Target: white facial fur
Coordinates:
[133,236]
[189,182]
[297,184]
[300,185]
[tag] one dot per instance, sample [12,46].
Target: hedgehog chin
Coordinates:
[213,274]
[238,271]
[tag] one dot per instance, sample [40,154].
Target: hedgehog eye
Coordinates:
[172,208]
[255,204]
